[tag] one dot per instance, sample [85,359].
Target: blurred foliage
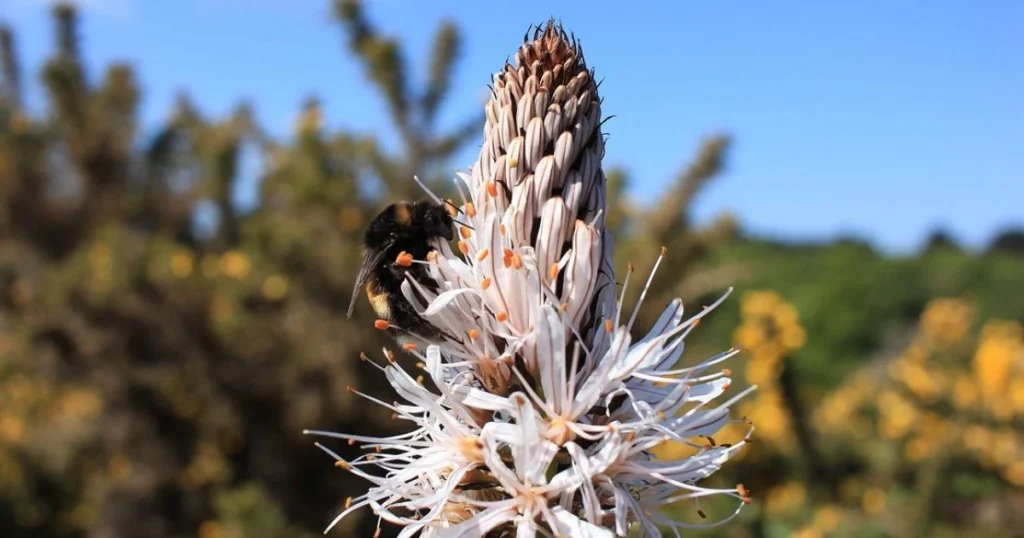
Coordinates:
[161,350]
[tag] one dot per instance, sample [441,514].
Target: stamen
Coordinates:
[492,189]
[553,272]
[465,232]
[463,247]
[501,316]
[409,346]
[474,334]
[517,262]
[470,209]
[502,229]
[381,324]
[432,256]
[486,283]
[404,259]
[482,255]
[622,294]
[608,326]
[643,294]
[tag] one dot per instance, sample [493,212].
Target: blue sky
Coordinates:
[879,119]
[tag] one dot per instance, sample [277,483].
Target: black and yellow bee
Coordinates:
[408,227]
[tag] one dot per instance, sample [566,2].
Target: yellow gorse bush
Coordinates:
[770,331]
[945,366]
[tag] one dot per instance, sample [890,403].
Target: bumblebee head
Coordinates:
[434,219]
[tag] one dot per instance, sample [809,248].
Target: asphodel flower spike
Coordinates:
[546,407]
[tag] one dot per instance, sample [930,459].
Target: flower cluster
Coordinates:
[542,408]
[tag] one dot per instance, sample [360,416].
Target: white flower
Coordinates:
[546,408]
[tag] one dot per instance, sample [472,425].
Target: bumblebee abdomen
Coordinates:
[378,298]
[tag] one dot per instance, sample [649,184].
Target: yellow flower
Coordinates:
[1017,395]
[873,501]
[827,518]
[946,321]
[235,264]
[898,416]
[1014,473]
[784,497]
[965,393]
[182,263]
[275,287]
[1001,350]
[793,337]
[760,303]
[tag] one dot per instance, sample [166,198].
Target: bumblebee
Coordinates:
[407,227]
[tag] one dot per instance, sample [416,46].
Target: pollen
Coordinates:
[404,259]
[486,283]
[502,316]
[474,334]
[553,272]
[463,247]
[482,255]
[465,232]
[409,346]
[381,324]
[470,209]
[492,189]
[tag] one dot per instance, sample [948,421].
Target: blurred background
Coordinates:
[183,185]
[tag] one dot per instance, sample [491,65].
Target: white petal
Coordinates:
[550,356]
[570,525]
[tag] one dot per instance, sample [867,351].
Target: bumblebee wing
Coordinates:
[370,261]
